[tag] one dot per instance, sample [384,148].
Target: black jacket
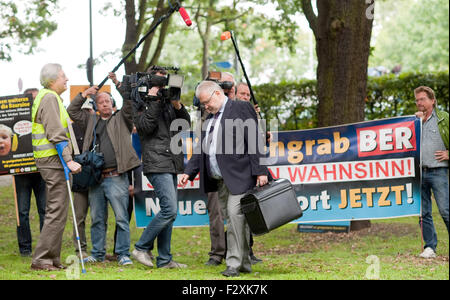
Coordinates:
[153,123]
[239,170]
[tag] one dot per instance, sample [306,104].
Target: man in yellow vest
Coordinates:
[50,127]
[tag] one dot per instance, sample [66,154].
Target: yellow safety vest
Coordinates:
[41,146]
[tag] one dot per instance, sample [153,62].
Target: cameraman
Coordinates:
[228,78]
[152,119]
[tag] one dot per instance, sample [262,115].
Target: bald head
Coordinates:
[104,105]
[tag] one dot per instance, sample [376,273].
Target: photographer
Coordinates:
[112,132]
[152,118]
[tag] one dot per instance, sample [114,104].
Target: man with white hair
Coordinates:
[231,172]
[50,127]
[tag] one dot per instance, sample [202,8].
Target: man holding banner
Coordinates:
[435,137]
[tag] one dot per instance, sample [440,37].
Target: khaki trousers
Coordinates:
[48,248]
[238,232]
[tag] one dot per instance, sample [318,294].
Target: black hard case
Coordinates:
[270,206]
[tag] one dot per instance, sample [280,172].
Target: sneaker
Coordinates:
[173,265]
[142,257]
[125,260]
[91,259]
[428,253]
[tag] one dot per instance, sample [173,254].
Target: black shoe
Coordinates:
[230,272]
[254,260]
[212,262]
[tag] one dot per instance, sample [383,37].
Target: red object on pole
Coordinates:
[225,36]
[185,16]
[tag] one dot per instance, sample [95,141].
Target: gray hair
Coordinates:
[49,73]
[207,87]
[231,75]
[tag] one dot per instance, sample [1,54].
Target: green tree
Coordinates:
[413,34]
[23,24]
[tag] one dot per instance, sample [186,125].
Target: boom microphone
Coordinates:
[225,36]
[185,16]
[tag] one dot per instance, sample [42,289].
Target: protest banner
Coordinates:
[16,151]
[367,170]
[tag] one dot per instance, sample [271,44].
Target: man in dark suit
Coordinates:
[229,162]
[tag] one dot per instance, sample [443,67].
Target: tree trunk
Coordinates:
[204,35]
[136,27]
[343,46]
[162,38]
[342,30]
[130,36]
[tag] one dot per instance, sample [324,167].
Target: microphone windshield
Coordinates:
[225,36]
[185,16]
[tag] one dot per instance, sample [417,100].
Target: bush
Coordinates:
[294,104]
[390,95]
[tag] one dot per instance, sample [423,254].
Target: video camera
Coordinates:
[216,76]
[141,82]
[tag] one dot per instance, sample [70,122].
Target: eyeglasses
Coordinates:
[422,99]
[209,99]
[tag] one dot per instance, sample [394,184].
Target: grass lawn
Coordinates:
[387,250]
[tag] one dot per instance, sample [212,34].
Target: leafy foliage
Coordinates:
[294,104]
[414,34]
[23,24]
[390,95]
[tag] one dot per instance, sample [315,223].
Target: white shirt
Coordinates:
[215,171]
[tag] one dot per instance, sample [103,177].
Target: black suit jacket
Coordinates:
[239,169]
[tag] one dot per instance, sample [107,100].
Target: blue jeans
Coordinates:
[165,185]
[115,190]
[435,180]
[24,185]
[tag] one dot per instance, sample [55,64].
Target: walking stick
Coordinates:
[59,148]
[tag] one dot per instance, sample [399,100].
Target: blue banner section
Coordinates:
[366,170]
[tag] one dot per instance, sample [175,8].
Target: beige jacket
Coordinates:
[119,129]
[48,115]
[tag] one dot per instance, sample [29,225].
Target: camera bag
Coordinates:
[92,163]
